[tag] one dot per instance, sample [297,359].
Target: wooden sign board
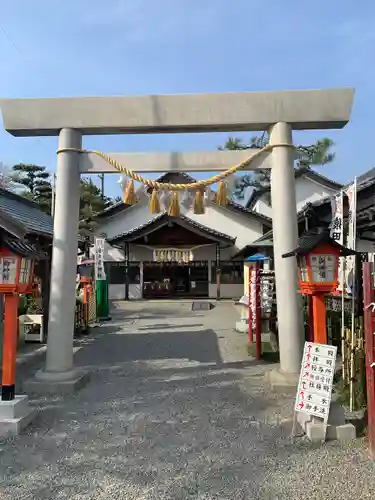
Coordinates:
[316,379]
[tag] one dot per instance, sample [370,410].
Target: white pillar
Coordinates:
[285,239]
[59,365]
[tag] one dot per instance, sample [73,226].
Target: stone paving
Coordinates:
[174,410]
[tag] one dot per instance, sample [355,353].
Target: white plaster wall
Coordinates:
[237,225]
[307,191]
[117,292]
[262,207]
[240,226]
[227,291]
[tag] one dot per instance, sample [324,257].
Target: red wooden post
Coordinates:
[10,346]
[319,321]
[368,298]
[310,318]
[250,312]
[258,314]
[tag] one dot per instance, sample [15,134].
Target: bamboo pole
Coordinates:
[343,345]
[353,342]
[347,355]
[354,291]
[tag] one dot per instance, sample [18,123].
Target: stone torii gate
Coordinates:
[72,118]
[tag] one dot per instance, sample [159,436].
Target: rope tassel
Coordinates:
[174,206]
[222,196]
[129,195]
[154,202]
[198,202]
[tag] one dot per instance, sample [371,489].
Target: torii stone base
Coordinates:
[40,384]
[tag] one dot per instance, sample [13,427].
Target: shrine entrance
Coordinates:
[174,280]
[72,118]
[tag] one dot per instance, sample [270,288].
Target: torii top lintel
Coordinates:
[234,111]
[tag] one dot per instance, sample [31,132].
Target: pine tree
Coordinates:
[6,180]
[91,203]
[317,154]
[34,182]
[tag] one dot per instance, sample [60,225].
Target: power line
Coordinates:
[9,40]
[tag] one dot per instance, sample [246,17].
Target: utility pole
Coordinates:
[101,176]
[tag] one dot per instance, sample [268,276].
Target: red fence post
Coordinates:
[368,299]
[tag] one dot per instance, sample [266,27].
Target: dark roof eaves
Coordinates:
[17,197]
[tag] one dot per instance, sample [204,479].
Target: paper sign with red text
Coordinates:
[316,379]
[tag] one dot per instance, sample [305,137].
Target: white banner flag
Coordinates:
[351,193]
[337,231]
[337,225]
[99,259]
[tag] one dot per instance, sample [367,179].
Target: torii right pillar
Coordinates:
[285,237]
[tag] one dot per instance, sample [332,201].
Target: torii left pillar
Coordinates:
[59,374]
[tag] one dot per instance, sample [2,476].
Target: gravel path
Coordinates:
[174,410]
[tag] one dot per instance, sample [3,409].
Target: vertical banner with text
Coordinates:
[337,231]
[351,193]
[99,259]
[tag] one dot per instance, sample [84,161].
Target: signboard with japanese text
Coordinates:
[337,224]
[351,193]
[99,259]
[337,231]
[316,379]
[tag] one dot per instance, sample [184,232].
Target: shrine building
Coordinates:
[191,256]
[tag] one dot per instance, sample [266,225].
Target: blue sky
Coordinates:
[93,47]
